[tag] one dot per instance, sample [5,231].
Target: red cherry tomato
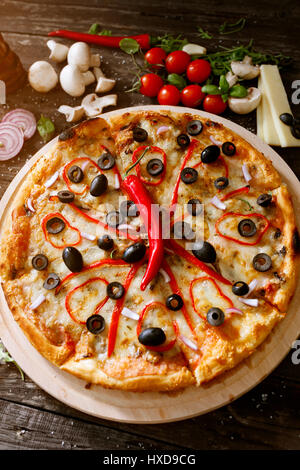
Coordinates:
[198,71]
[169,94]
[156,57]
[192,96]
[214,104]
[177,62]
[151,84]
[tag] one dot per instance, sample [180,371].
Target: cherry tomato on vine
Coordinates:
[151,84]
[156,57]
[198,71]
[192,96]
[169,95]
[214,104]
[177,62]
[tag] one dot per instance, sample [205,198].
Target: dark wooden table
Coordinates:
[266,417]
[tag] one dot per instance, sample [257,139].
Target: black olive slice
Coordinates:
[295,130]
[66,196]
[210,154]
[129,209]
[51,282]
[287,119]
[194,207]
[66,134]
[155,167]
[75,174]
[262,262]
[40,262]
[221,183]
[264,200]
[115,290]
[228,148]
[72,259]
[139,134]
[194,127]
[183,230]
[174,302]
[95,324]
[105,242]
[247,228]
[134,252]
[189,175]
[183,140]
[55,225]
[106,161]
[99,185]
[205,252]
[215,316]
[240,288]
[114,219]
[152,337]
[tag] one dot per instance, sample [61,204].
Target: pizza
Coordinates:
[149,251]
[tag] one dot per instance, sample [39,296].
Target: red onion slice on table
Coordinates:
[11,140]
[24,119]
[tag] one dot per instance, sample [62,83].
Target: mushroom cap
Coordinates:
[245,69]
[80,55]
[247,104]
[59,51]
[72,114]
[42,76]
[72,80]
[104,84]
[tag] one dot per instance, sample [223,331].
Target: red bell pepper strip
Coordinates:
[191,148]
[136,191]
[96,264]
[113,328]
[179,250]
[138,170]
[235,192]
[71,292]
[144,40]
[221,294]
[60,216]
[236,240]
[162,347]
[73,162]
[175,289]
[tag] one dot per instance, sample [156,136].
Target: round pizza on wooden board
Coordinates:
[106,294]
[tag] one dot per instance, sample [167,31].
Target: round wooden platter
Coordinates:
[154,407]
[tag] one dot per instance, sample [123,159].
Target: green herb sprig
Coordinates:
[6,357]
[204,34]
[45,127]
[230,28]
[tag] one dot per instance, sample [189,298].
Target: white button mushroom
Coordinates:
[231,79]
[247,104]
[72,114]
[98,72]
[72,80]
[93,104]
[194,49]
[42,76]
[80,55]
[95,60]
[245,69]
[104,84]
[59,51]
[88,77]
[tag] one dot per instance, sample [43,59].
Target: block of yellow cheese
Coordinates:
[277,103]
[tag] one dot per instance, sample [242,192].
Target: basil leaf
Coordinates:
[128,45]
[46,128]
[177,80]
[211,90]
[94,29]
[223,84]
[224,97]
[238,91]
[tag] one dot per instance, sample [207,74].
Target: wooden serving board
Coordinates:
[154,407]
